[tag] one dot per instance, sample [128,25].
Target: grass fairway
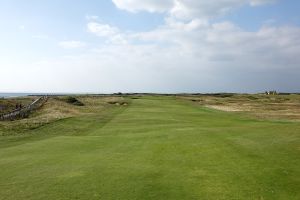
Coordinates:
[154,148]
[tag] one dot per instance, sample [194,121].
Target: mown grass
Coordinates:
[153,148]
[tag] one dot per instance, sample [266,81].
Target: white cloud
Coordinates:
[92,17]
[192,55]
[187,9]
[147,5]
[111,33]
[72,44]
[102,30]
[176,58]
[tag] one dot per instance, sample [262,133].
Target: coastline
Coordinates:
[13,95]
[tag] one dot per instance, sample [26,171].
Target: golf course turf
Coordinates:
[156,147]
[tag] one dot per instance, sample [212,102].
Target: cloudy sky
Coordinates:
[105,46]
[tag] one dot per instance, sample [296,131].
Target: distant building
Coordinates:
[271,92]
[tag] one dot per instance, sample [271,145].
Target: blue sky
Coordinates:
[149,46]
[283,12]
[23,22]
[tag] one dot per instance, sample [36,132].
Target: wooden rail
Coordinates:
[24,112]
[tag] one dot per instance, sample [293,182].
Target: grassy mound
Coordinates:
[8,105]
[73,101]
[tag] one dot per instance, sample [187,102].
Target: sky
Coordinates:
[163,46]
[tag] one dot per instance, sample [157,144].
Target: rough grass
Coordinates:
[8,105]
[153,148]
[56,109]
[274,107]
[71,100]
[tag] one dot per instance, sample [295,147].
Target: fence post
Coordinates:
[23,112]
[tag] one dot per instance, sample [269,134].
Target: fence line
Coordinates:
[24,112]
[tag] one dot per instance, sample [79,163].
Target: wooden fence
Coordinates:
[24,112]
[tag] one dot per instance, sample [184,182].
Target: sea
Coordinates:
[11,95]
